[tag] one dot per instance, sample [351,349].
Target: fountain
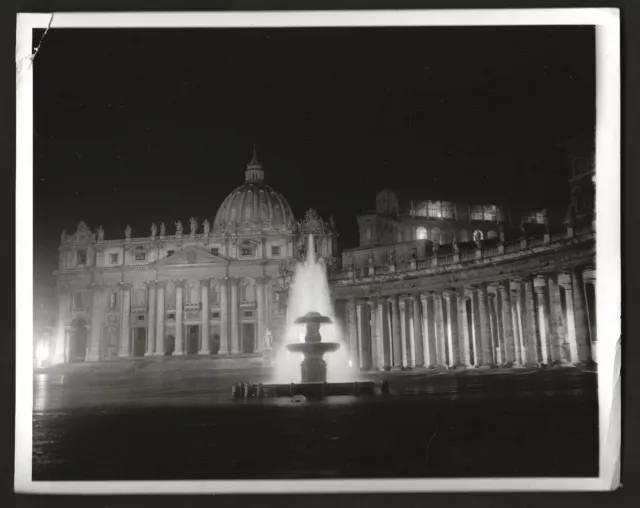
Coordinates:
[308,295]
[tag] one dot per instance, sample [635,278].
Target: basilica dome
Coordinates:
[254,204]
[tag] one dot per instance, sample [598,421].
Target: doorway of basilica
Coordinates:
[139,341]
[248,337]
[78,341]
[193,339]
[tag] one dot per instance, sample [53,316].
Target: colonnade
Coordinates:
[537,320]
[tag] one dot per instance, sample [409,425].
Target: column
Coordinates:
[589,288]
[384,350]
[397,332]
[515,319]
[580,314]
[557,328]
[564,280]
[160,319]
[364,335]
[418,336]
[540,285]
[205,316]
[235,340]
[96,324]
[507,324]
[463,329]
[495,332]
[440,336]
[531,329]
[353,332]
[178,350]
[451,327]
[151,318]
[375,334]
[64,306]
[474,331]
[125,325]
[260,284]
[405,330]
[225,346]
[430,351]
[485,347]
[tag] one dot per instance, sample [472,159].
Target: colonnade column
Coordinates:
[463,329]
[564,280]
[160,320]
[582,324]
[235,340]
[507,323]
[64,306]
[418,335]
[557,329]
[385,336]
[178,350]
[364,335]
[531,330]
[397,332]
[589,281]
[375,334]
[515,319]
[205,315]
[540,284]
[440,337]
[474,331]
[353,332]
[96,324]
[485,347]
[496,348]
[151,318]
[125,340]
[430,351]
[260,285]
[451,327]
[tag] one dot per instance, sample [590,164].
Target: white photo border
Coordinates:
[608,227]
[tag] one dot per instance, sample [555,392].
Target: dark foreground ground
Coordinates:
[184,425]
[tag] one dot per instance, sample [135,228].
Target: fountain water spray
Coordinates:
[309,293]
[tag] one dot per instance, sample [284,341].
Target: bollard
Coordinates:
[384,388]
[291,389]
[247,390]
[260,391]
[356,388]
[234,391]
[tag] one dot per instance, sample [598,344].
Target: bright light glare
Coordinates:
[42,353]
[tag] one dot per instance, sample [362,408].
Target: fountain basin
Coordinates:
[309,390]
[309,349]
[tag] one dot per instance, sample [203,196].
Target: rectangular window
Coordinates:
[248,313]
[434,209]
[448,210]
[140,256]
[82,257]
[215,251]
[114,258]
[141,317]
[246,251]
[275,250]
[169,253]
[215,315]
[171,316]
[490,213]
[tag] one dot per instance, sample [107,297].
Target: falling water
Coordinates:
[309,291]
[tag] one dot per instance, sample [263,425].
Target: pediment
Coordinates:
[192,256]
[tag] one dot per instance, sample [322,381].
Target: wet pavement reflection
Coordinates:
[137,425]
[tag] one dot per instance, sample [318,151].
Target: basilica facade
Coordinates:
[208,290]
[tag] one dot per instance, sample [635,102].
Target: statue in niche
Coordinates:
[179,228]
[434,248]
[193,223]
[523,228]
[477,237]
[414,253]
[302,251]
[154,230]
[352,262]
[455,243]
[332,223]
[127,231]
[206,227]
[370,260]
[63,236]
[100,234]
[112,301]
[163,229]
[392,256]
[268,339]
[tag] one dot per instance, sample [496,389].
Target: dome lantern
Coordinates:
[254,172]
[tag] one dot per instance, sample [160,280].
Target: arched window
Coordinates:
[464,236]
[478,235]
[277,214]
[435,235]
[421,233]
[492,234]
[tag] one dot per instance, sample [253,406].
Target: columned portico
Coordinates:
[225,343]
[354,350]
[159,350]
[151,318]
[428,330]
[581,321]
[397,332]
[507,324]
[486,346]
[97,306]
[531,328]
[364,334]
[540,286]
[557,329]
[463,329]
[235,336]
[261,301]
[375,319]
[418,335]
[453,350]
[565,282]
[517,324]
[440,334]
[64,304]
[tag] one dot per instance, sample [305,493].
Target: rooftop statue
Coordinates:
[127,231]
[206,227]
[194,225]
[179,228]
[100,234]
[163,229]
[154,230]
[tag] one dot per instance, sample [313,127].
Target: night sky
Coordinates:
[141,126]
